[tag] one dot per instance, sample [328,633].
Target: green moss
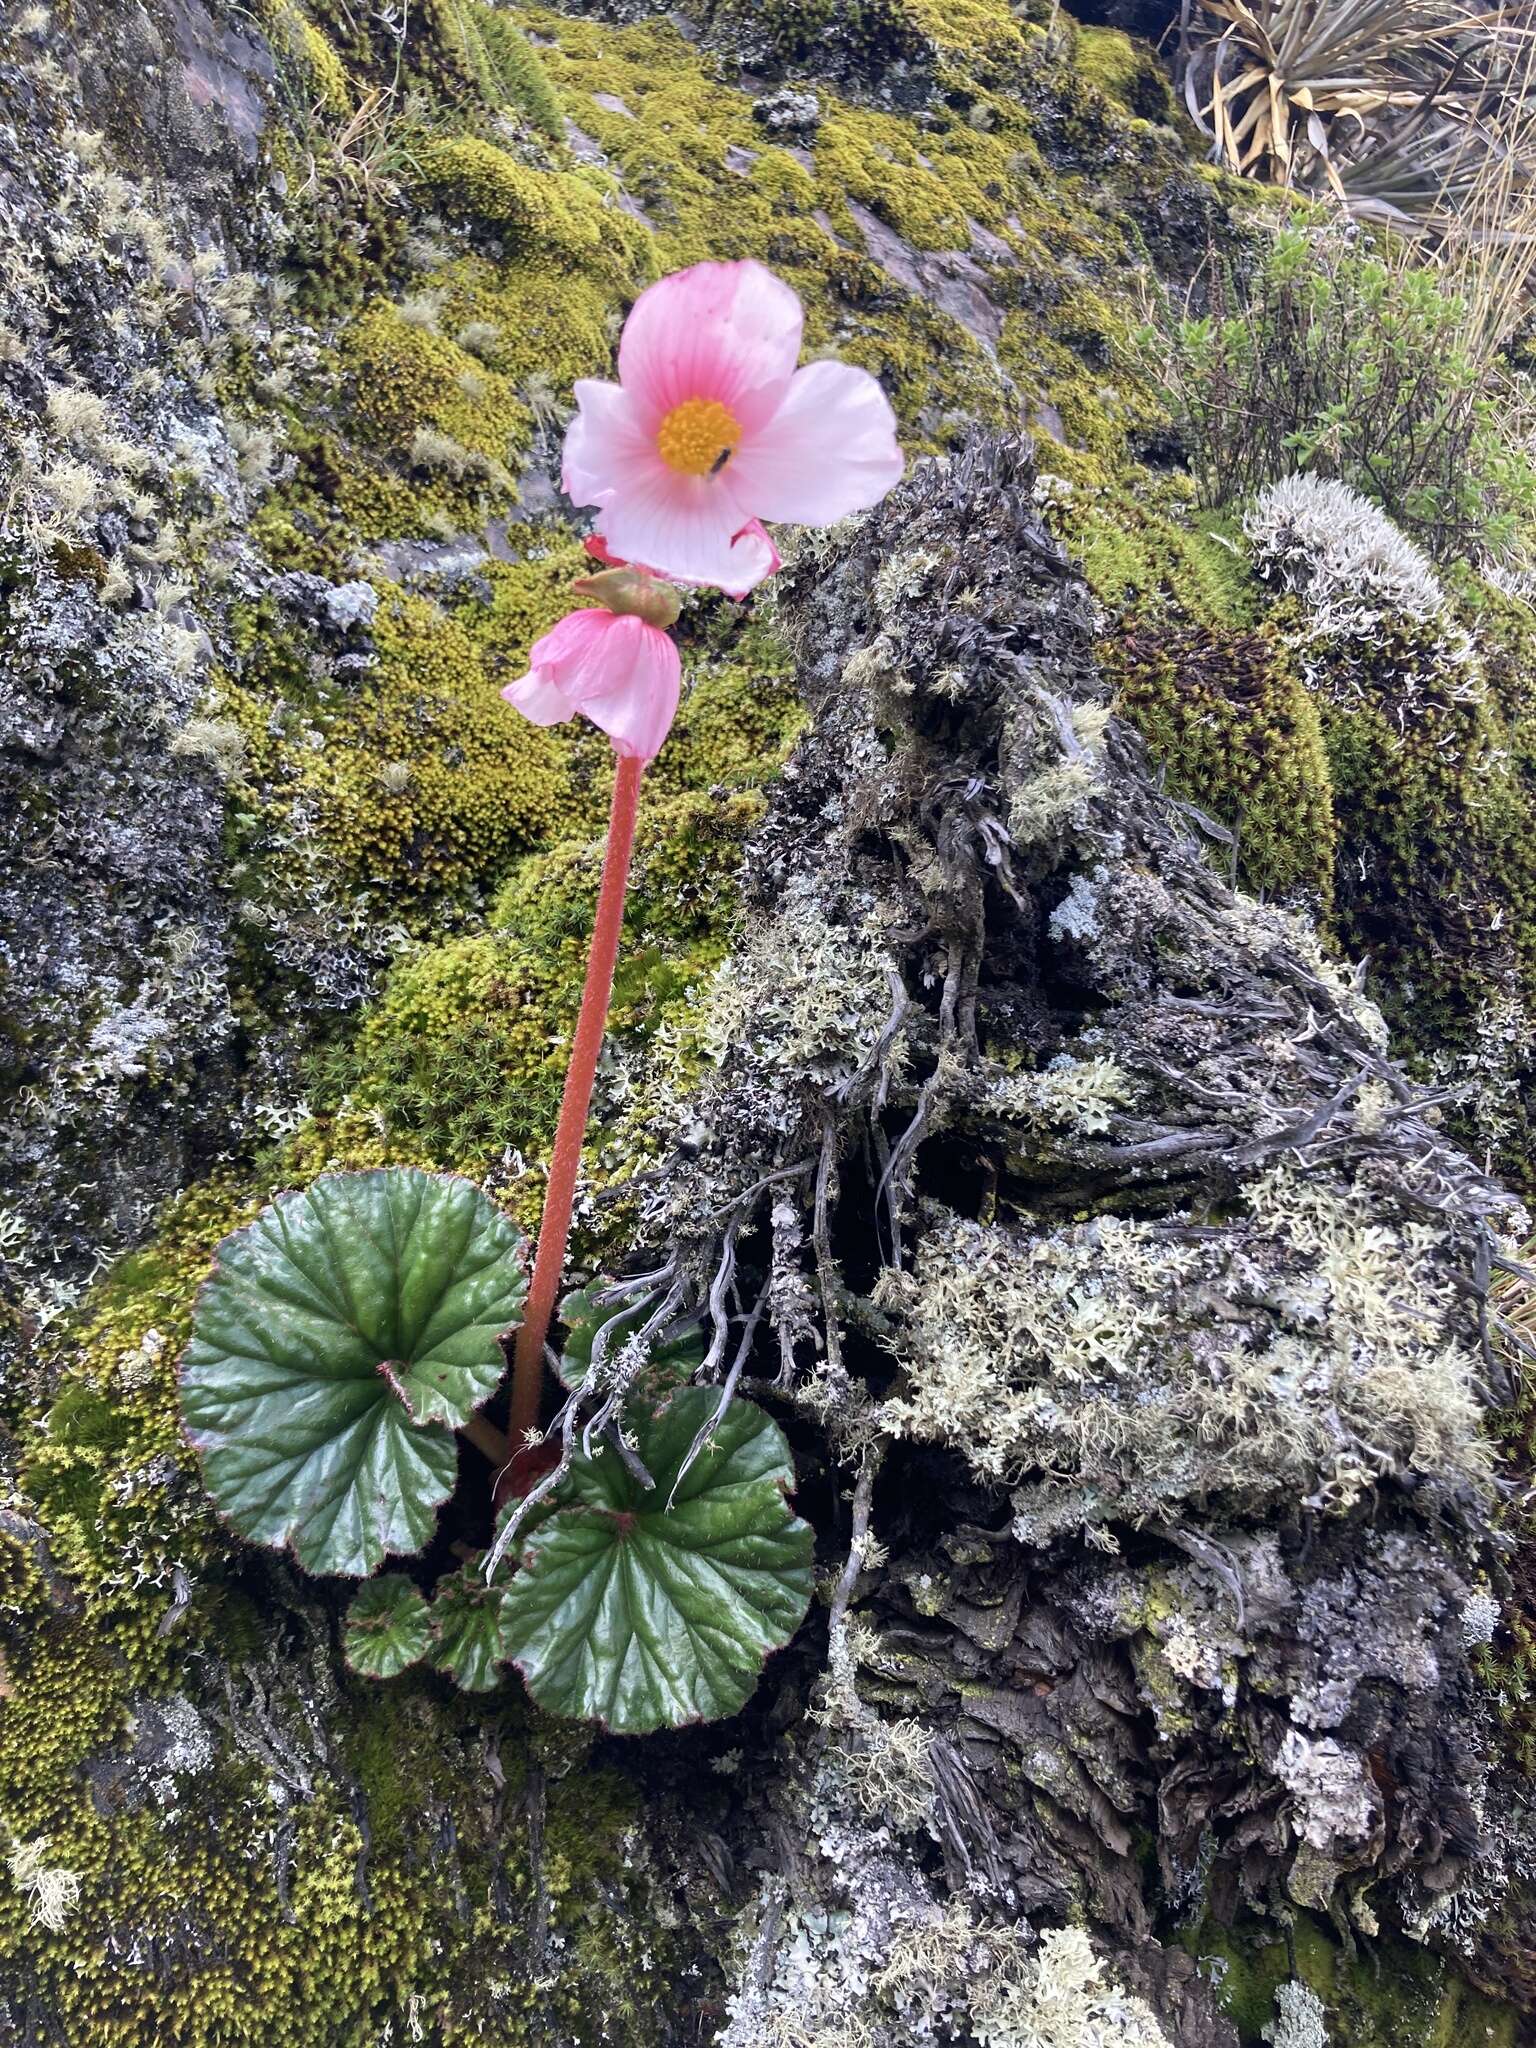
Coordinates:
[874,33]
[1241,738]
[517,77]
[550,326]
[465,1052]
[554,210]
[715,185]
[297,1925]
[1126,69]
[1438,876]
[427,780]
[405,379]
[1135,554]
[340,497]
[322,75]
[485,48]
[543,262]
[420,781]
[1382,1994]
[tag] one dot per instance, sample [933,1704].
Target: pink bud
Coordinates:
[618,671]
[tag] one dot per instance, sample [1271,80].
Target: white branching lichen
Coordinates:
[53,1890]
[1091,1370]
[1340,553]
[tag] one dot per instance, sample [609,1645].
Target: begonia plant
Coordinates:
[346,1334]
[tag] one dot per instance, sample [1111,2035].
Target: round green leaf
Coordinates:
[336,1342]
[470,1624]
[643,1616]
[389,1627]
[669,1365]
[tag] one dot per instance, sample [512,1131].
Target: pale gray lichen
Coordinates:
[1087,1369]
[1340,553]
[810,994]
[895,1967]
[1300,2021]
[1074,1094]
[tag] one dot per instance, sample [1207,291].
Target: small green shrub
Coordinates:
[1337,359]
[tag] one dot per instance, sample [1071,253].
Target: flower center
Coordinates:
[698,437]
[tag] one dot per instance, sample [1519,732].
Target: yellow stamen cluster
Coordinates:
[698,437]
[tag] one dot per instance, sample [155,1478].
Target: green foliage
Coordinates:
[338,1340]
[646,1609]
[1335,359]
[471,1637]
[388,1627]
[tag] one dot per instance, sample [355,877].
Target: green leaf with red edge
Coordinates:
[388,1627]
[337,1342]
[645,1615]
[469,1623]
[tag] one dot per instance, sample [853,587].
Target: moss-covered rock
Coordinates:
[1242,738]
[298,891]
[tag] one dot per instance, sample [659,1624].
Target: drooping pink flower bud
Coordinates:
[711,429]
[616,669]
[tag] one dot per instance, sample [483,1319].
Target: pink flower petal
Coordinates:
[604,443]
[549,693]
[682,526]
[621,673]
[727,331]
[636,701]
[829,450]
[754,559]
[599,550]
[538,698]
[571,641]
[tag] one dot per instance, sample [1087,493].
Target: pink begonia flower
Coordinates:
[613,668]
[752,552]
[711,428]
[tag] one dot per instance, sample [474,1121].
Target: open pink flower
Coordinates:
[711,428]
[612,668]
[753,555]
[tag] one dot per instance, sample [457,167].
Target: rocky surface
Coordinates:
[1107,1130]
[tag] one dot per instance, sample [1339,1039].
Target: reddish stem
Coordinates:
[487,1439]
[565,1160]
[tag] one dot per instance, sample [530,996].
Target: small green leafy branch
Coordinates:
[343,1338]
